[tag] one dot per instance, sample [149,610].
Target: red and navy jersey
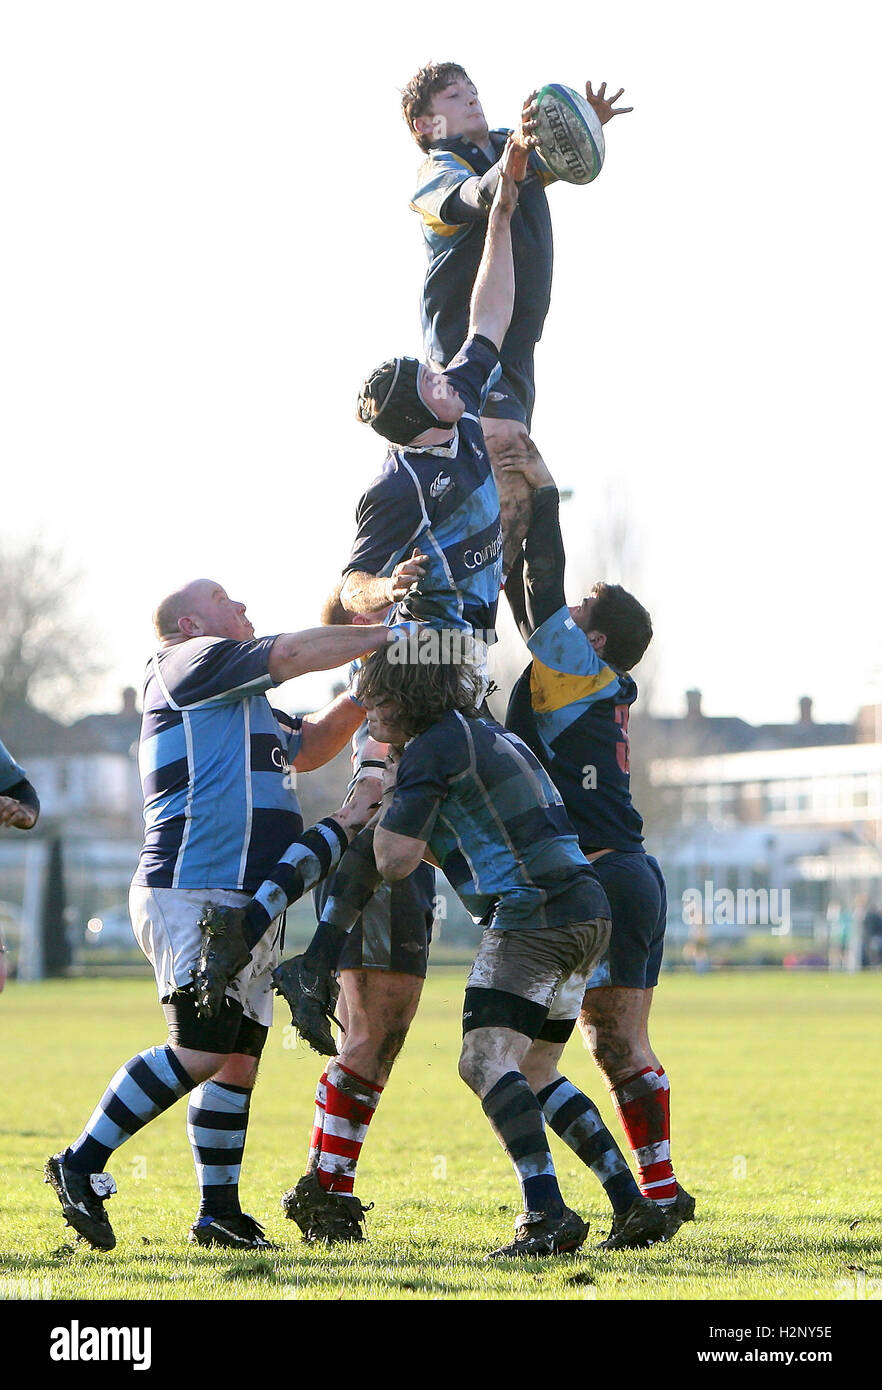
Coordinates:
[455,251]
[443,501]
[572,710]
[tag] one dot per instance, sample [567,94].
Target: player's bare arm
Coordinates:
[604,107]
[370,593]
[493,294]
[321,649]
[325,733]
[396,855]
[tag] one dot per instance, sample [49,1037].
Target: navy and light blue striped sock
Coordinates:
[305,863]
[217,1121]
[578,1122]
[143,1088]
[516,1117]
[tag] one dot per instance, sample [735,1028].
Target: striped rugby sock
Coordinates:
[143,1088]
[577,1121]
[318,1124]
[217,1122]
[305,863]
[643,1105]
[350,1102]
[516,1118]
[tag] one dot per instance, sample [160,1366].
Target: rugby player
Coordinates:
[429,539]
[571,707]
[475,800]
[382,968]
[220,807]
[455,191]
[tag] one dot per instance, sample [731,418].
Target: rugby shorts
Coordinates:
[394,931]
[634,883]
[165,920]
[532,979]
[512,397]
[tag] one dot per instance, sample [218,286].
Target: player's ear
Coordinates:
[425,125]
[597,640]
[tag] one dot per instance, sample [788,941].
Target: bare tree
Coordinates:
[44,648]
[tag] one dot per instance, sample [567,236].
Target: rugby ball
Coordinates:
[568,134]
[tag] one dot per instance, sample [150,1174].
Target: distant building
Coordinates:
[795,806]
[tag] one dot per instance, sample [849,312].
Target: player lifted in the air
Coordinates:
[455,192]
[429,533]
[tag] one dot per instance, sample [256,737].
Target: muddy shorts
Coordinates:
[635,886]
[532,979]
[165,920]
[395,929]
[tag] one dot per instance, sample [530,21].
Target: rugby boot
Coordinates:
[537,1234]
[642,1224]
[681,1210]
[311,997]
[82,1197]
[240,1231]
[324,1217]
[222,955]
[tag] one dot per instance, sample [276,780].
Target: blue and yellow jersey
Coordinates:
[219,804]
[496,825]
[443,501]
[572,710]
[455,251]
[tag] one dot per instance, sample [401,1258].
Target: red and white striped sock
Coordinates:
[318,1124]
[350,1102]
[643,1105]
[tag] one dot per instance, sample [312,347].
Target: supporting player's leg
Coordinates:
[576,1120]
[510,989]
[143,1088]
[217,1125]
[377,1004]
[508,444]
[614,1023]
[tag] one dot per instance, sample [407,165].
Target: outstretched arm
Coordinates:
[493,294]
[371,593]
[538,592]
[321,649]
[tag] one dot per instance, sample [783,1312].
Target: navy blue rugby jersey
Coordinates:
[496,824]
[219,806]
[572,710]
[443,501]
[455,251]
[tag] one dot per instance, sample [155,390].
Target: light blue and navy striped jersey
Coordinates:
[219,805]
[455,250]
[443,501]
[496,824]
[10,772]
[572,710]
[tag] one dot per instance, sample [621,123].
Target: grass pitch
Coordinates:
[774,1087]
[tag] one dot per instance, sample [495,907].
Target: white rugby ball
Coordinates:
[569,134]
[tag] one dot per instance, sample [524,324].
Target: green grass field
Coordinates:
[775,1097]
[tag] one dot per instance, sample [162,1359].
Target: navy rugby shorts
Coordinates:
[635,886]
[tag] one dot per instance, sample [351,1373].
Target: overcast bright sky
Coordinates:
[207,243]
